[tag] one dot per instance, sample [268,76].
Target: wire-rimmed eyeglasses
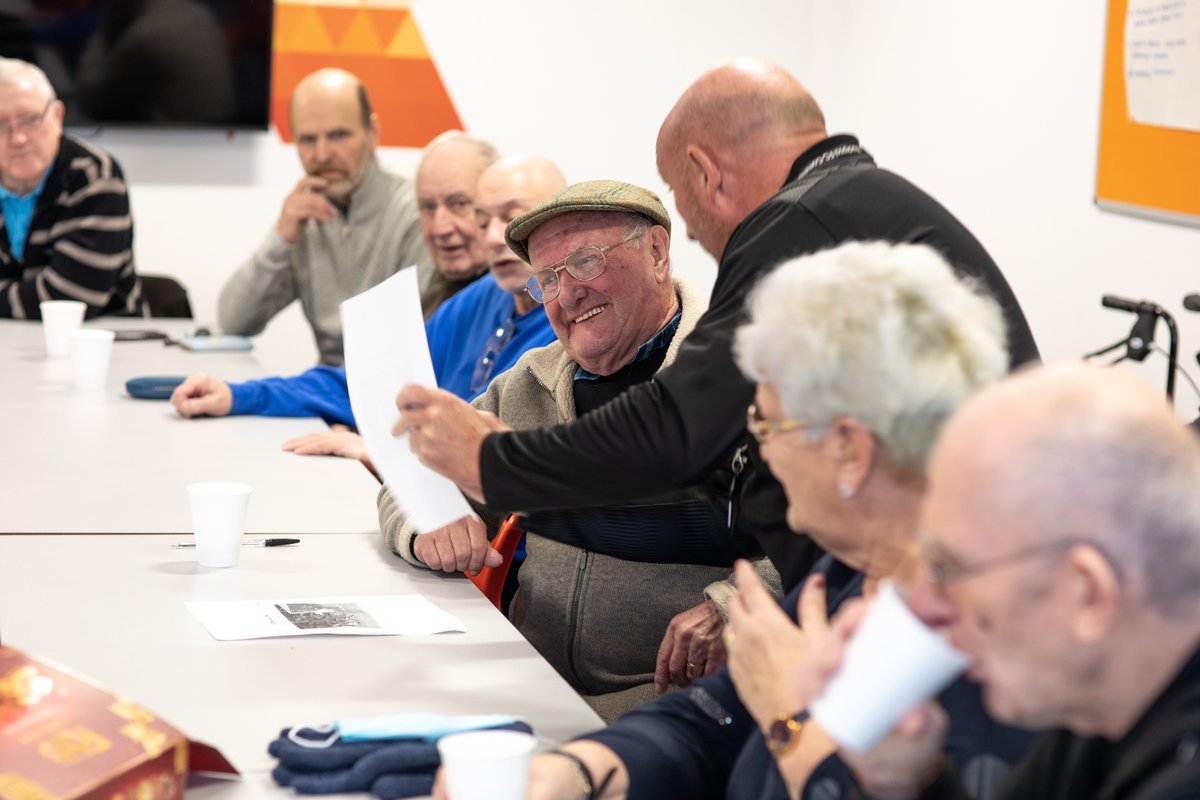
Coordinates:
[941,568]
[27,123]
[585,264]
[762,429]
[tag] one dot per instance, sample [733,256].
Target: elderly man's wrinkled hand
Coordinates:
[303,203]
[691,647]
[461,546]
[202,395]
[445,433]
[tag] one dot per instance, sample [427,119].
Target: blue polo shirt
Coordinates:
[461,333]
[18,215]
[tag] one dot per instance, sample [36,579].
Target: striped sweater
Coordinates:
[80,244]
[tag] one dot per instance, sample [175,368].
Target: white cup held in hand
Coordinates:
[90,351]
[218,520]
[59,319]
[893,663]
[486,765]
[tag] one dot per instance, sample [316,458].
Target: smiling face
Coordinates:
[28,151]
[602,322]
[446,183]
[332,139]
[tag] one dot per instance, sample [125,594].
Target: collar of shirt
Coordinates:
[32,197]
[657,342]
[18,214]
[827,149]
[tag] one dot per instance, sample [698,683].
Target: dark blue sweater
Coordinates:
[701,742]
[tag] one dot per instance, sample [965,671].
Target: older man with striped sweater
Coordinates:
[67,233]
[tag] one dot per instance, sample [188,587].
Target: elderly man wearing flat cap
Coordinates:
[599,586]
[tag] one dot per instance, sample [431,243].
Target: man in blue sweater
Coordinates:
[474,336]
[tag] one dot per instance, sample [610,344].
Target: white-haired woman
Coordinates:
[860,353]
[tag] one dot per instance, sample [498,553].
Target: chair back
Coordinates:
[490,580]
[165,297]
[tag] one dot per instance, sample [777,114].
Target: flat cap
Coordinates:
[586,196]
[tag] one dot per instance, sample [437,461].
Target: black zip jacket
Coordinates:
[677,429]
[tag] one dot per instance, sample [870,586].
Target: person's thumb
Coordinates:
[193,407]
[492,558]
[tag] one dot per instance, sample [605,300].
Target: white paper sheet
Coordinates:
[367,615]
[384,338]
[1162,63]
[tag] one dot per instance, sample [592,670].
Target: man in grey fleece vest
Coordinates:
[600,586]
[346,226]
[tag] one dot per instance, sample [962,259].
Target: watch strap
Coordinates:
[784,733]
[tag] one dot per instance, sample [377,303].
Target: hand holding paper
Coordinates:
[446,434]
[385,346]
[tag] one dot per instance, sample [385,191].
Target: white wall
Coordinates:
[993,108]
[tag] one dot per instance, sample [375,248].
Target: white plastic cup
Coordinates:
[59,319]
[893,664]
[486,765]
[91,349]
[218,520]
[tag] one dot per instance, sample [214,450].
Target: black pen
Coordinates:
[251,543]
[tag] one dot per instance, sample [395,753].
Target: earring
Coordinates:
[845,490]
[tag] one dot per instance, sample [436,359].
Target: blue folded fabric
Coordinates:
[389,787]
[316,757]
[316,761]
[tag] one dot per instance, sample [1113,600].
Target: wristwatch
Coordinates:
[784,733]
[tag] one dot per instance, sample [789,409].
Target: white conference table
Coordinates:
[96,470]
[112,608]
[106,463]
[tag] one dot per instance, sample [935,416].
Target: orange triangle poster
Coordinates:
[382,46]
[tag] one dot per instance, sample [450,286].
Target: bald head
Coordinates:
[729,143]
[739,102]
[331,86]
[507,189]
[1079,452]
[524,176]
[15,72]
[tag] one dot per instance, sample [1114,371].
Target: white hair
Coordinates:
[14,70]
[882,333]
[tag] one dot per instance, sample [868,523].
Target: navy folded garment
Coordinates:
[313,761]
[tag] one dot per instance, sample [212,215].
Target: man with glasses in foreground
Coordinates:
[474,336]
[599,585]
[1062,554]
[66,208]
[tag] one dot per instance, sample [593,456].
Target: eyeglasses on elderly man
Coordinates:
[585,264]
